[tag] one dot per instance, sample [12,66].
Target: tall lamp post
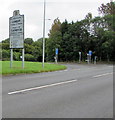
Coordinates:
[44,34]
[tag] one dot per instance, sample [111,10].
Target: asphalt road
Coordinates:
[81,91]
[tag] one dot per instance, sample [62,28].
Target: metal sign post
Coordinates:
[79,57]
[16,33]
[11,58]
[88,58]
[23,58]
[95,60]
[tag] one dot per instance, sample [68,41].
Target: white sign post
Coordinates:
[16,34]
[79,57]
[87,58]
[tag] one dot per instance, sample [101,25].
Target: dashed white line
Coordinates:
[40,87]
[103,75]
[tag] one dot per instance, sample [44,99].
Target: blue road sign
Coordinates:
[90,52]
[56,51]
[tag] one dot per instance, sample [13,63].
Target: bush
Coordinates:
[5,54]
[29,57]
[16,56]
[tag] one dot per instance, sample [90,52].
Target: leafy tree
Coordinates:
[88,16]
[37,50]
[5,46]
[6,40]
[108,8]
[109,22]
[65,36]
[28,48]
[55,26]
[29,57]
[16,56]
[54,40]
[28,41]
[74,40]
[5,54]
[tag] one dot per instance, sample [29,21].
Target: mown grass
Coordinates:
[30,67]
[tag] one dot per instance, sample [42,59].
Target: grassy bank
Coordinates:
[30,67]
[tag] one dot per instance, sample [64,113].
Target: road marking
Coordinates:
[110,66]
[102,75]
[40,87]
[63,71]
[76,69]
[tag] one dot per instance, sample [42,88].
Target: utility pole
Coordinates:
[44,35]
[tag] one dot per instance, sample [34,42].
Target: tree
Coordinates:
[28,48]
[75,38]
[55,26]
[6,40]
[29,57]
[5,54]
[63,44]
[108,8]
[89,16]
[28,41]
[54,40]
[37,50]
[109,22]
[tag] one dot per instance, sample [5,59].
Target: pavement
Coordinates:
[80,91]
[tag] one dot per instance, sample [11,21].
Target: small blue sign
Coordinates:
[56,51]
[90,52]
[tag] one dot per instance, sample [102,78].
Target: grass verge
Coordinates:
[30,67]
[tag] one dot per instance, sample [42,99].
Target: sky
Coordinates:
[71,10]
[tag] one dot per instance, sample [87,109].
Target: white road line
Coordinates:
[40,87]
[110,66]
[63,71]
[75,69]
[103,75]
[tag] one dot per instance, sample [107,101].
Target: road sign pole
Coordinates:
[79,57]
[23,58]
[11,57]
[88,58]
[56,59]
[95,59]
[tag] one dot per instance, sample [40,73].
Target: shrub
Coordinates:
[16,56]
[5,54]
[29,57]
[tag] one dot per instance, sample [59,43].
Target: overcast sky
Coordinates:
[33,13]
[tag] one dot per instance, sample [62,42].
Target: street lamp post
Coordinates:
[44,35]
